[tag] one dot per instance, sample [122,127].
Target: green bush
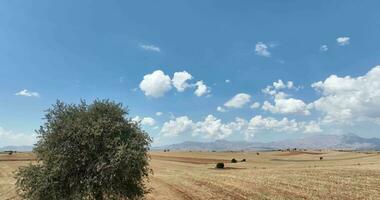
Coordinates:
[243,160]
[233,160]
[89,152]
[220,165]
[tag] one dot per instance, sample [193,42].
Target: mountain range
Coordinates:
[343,142]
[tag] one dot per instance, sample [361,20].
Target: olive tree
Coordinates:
[87,151]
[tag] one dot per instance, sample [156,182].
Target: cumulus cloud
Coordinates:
[324,48]
[255,105]
[281,85]
[259,124]
[344,99]
[342,41]
[283,104]
[149,47]
[27,93]
[210,127]
[159,113]
[238,101]
[261,49]
[228,81]
[275,88]
[156,84]
[180,80]
[10,138]
[221,109]
[202,89]
[214,128]
[311,127]
[145,121]
[286,106]
[177,126]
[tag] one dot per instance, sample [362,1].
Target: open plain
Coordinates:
[269,175]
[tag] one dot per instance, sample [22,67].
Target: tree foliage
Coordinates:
[87,152]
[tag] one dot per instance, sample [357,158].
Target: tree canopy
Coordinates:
[87,151]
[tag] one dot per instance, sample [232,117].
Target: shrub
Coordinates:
[220,165]
[257,153]
[321,158]
[87,152]
[243,160]
[234,160]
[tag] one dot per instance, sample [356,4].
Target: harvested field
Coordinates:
[270,175]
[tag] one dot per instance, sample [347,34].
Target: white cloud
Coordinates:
[159,113]
[145,121]
[238,101]
[259,124]
[210,127]
[269,90]
[281,85]
[201,89]
[180,80]
[148,121]
[287,106]
[155,84]
[261,49]
[342,41]
[10,138]
[228,81]
[324,48]
[350,98]
[312,127]
[150,48]
[255,105]
[158,83]
[27,93]
[283,104]
[221,109]
[177,126]
[274,89]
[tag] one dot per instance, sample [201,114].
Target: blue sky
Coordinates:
[70,50]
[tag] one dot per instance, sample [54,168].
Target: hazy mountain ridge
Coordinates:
[217,145]
[347,141]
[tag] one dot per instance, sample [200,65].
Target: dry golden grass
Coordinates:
[270,175]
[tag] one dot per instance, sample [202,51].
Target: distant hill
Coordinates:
[16,148]
[347,142]
[217,145]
